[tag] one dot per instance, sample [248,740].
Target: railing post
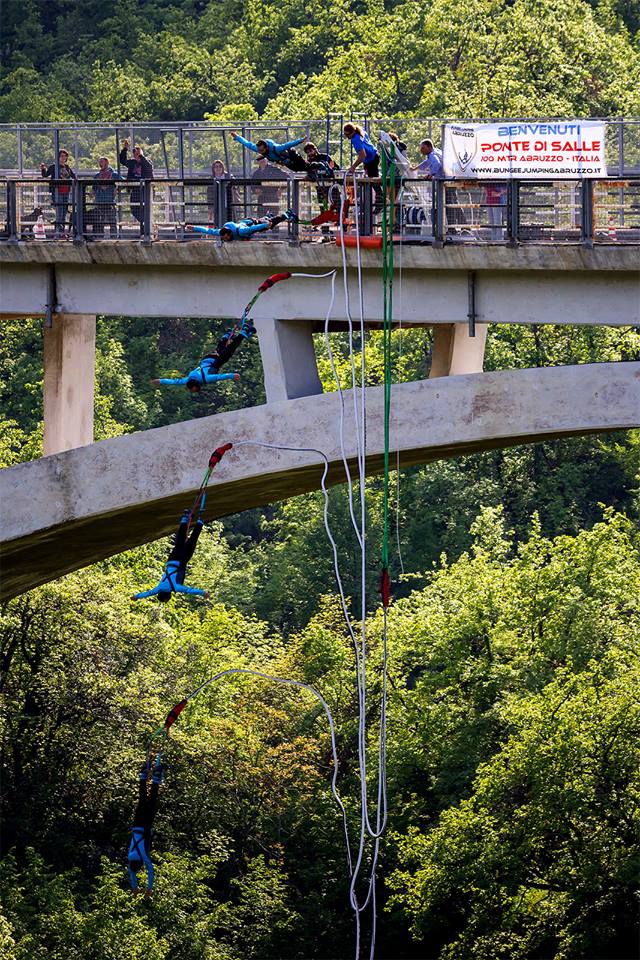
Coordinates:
[147,196]
[513,212]
[437,211]
[587,213]
[181,154]
[366,206]
[227,209]
[294,226]
[77,214]
[12,212]
[19,145]
[621,147]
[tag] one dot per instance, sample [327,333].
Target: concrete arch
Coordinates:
[66,511]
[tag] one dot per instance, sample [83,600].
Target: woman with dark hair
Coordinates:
[282,153]
[218,172]
[366,154]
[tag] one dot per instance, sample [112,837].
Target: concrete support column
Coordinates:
[69,373]
[455,352]
[288,359]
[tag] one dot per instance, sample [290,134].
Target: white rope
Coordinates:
[347,618]
[334,749]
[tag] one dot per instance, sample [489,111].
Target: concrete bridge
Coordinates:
[63,512]
[458,290]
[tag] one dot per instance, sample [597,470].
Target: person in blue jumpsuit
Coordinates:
[208,369]
[242,229]
[139,854]
[176,566]
[366,154]
[282,153]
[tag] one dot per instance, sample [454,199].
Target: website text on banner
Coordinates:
[539,150]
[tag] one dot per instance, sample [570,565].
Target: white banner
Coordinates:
[544,150]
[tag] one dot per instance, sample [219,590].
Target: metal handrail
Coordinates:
[24,145]
[437,212]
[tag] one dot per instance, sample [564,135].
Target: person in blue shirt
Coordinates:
[139,854]
[242,229]
[431,167]
[282,153]
[176,566]
[366,154]
[208,369]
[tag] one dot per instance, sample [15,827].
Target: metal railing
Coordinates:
[436,212]
[188,149]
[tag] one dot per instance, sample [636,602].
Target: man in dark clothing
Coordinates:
[139,854]
[138,168]
[176,567]
[60,191]
[321,170]
[268,195]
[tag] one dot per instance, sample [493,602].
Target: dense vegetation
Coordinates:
[187,59]
[514,717]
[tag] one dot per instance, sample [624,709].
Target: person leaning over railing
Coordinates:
[104,188]
[431,167]
[60,191]
[138,167]
[282,153]
[366,154]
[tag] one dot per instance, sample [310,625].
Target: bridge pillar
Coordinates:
[455,352]
[288,359]
[69,371]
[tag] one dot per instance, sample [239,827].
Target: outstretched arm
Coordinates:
[196,228]
[146,593]
[247,144]
[170,382]
[291,143]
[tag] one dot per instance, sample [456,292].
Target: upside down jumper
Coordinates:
[208,369]
[176,567]
[242,229]
[140,848]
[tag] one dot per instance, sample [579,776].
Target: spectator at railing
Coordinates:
[267,195]
[496,201]
[60,191]
[400,144]
[321,170]
[431,167]
[104,187]
[218,172]
[366,154]
[138,168]
[282,153]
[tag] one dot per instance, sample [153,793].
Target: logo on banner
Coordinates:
[463,140]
